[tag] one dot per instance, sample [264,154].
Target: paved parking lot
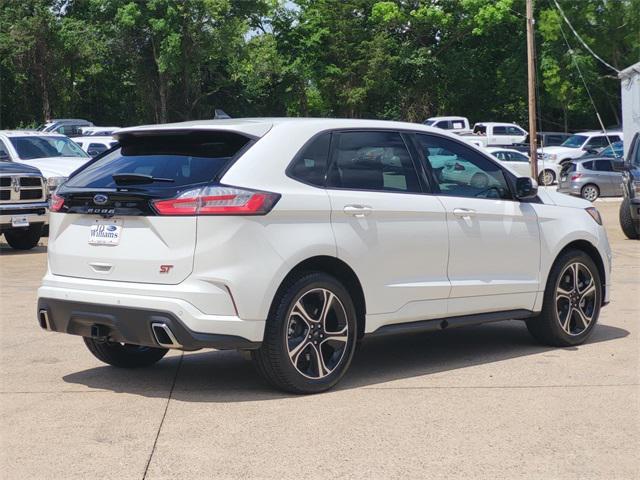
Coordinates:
[480,402]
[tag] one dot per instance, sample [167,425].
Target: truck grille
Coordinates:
[20,188]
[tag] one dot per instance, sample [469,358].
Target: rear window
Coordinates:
[184,159]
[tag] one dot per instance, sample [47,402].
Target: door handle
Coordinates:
[464,212]
[358,211]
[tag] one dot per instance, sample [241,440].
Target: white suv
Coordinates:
[295,238]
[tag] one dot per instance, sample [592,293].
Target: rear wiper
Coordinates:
[138,179]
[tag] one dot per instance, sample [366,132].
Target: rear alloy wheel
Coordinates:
[124,355]
[546,177]
[310,336]
[590,192]
[572,302]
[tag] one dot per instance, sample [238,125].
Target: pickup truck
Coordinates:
[490,134]
[23,204]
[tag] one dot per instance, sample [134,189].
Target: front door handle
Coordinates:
[464,212]
[358,211]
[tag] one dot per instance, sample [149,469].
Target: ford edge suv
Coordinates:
[294,238]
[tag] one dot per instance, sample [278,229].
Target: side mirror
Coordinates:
[526,188]
[92,153]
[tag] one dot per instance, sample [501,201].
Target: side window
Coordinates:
[587,166]
[518,157]
[444,124]
[501,156]
[499,130]
[597,142]
[514,131]
[603,166]
[310,166]
[372,161]
[460,171]
[636,158]
[457,124]
[97,147]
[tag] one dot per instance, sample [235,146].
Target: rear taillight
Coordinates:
[56,203]
[218,200]
[575,176]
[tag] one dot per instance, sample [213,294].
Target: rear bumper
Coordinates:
[183,303]
[35,212]
[130,325]
[570,188]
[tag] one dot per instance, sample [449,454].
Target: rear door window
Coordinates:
[376,160]
[603,166]
[499,130]
[182,159]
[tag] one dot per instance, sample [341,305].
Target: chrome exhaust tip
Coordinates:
[164,336]
[43,319]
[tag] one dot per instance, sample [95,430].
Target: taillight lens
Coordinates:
[576,176]
[56,203]
[218,200]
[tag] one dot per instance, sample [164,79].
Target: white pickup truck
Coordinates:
[490,134]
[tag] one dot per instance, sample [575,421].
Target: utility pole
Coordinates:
[531,69]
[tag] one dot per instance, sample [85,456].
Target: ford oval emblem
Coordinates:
[100,199]
[111,228]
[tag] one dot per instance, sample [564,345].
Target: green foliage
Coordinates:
[139,61]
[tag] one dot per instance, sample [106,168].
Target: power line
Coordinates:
[581,40]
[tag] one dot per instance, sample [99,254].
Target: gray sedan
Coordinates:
[591,178]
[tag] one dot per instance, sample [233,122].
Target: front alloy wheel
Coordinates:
[547,177]
[575,299]
[572,301]
[310,335]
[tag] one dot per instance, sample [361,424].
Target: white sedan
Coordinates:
[519,163]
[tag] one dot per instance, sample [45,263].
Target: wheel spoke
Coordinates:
[302,313]
[583,318]
[323,371]
[328,300]
[566,323]
[295,353]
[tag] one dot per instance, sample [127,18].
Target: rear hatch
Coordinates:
[110,228]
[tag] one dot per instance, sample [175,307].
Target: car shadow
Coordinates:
[227,377]
[6,250]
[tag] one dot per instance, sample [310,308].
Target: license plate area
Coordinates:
[106,232]
[20,221]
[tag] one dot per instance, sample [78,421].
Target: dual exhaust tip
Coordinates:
[164,336]
[161,331]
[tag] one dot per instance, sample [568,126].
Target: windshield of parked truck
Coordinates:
[429,122]
[32,147]
[574,141]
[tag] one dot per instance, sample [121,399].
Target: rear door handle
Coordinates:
[358,210]
[464,212]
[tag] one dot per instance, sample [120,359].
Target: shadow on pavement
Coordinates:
[6,250]
[216,376]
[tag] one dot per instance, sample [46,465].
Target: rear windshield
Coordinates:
[184,159]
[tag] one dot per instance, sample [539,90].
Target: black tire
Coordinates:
[273,360]
[24,238]
[124,356]
[586,192]
[541,177]
[547,327]
[626,221]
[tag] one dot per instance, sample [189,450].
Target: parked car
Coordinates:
[56,156]
[98,131]
[591,178]
[23,203]
[453,124]
[615,150]
[519,163]
[544,139]
[293,238]
[95,145]
[490,134]
[577,145]
[71,127]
